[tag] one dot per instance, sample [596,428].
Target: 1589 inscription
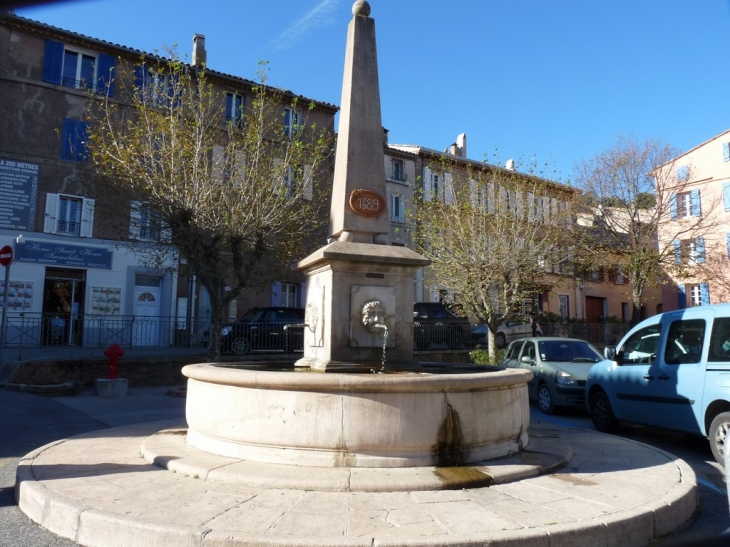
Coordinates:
[367,203]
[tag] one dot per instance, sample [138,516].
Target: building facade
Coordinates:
[701,255]
[81,276]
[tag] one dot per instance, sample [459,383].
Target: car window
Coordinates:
[568,351]
[529,350]
[438,312]
[287,316]
[720,340]
[641,347]
[252,315]
[421,312]
[513,350]
[684,342]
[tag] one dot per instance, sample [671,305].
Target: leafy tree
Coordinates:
[237,197]
[494,236]
[631,190]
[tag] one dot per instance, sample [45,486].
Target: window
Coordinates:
[396,208]
[436,186]
[720,341]
[726,151]
[596,276]
[155,86]
[398,170]
[225,169]
[74,137]
[697,293]
[69,215]
[682,173]
[685,204]
[298,182]
[564,305]
[286,294]
[145,224]
[77,69]
[684,342]
[641,347]
[292,121]
[689,251]
[234,108]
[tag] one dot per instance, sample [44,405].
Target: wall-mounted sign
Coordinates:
[61,254]
[367,203]
[19,189]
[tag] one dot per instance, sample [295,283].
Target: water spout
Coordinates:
[382,368]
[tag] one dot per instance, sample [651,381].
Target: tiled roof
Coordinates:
[19,21]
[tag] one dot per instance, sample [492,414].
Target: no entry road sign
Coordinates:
[6,255]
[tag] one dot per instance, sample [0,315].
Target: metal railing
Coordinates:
[39,330]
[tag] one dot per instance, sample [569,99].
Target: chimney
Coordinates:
[199,55]
[510,165]
[461,145]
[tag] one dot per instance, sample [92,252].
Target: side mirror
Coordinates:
[527,360]
[415,314]
[609,352]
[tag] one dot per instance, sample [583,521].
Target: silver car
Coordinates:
[560,368]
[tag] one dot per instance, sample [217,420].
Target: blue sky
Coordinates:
[553,80]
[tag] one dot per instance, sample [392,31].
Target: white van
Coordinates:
[672,371]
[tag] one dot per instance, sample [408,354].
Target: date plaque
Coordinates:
[367,203]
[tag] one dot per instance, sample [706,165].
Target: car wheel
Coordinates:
[241,346]
[602,413]
[456,340]
[545,399]
[501,340]
[718,436]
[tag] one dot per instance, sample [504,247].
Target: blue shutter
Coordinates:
[726,195]
[105,82]
[728,244]
[287,121]
[673,206]
[74,137]
[726,151]
[695,204]
[276,293]
[677,251]
[140,82]
[681,297]
[705,293]
[700,248]
[173,91]
[53,62]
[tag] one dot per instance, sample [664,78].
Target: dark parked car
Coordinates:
[560,367]
[263,329]
[433,322]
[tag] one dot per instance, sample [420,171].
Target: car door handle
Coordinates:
[648,377]
[663,377]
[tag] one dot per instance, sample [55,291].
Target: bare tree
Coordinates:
[631,189]
[495,237]
[237,197]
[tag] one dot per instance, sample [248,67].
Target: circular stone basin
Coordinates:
[413,418]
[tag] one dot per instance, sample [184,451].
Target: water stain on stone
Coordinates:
[576,481]
[463,477]
[448,447]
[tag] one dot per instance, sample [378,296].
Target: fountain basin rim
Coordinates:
[353,383]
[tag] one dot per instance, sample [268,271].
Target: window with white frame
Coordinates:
[398,170]
[155,85]
[726,151]
[234,108]
[69,215]
[694,293]
[292,121]
[682,173]
[397,213]
[77,68]
[564,306]
[684,205]
[689,251]
[290,295]
[145,223]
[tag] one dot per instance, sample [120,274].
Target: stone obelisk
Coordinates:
[359,271]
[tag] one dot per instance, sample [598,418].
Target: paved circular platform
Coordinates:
[573,487]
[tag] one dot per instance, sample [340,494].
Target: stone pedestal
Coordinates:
[111,388]
[342,278]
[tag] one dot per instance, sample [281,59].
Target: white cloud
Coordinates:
[319,16]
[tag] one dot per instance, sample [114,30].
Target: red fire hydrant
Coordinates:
[113,352]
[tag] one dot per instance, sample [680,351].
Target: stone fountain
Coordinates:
[359,299]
